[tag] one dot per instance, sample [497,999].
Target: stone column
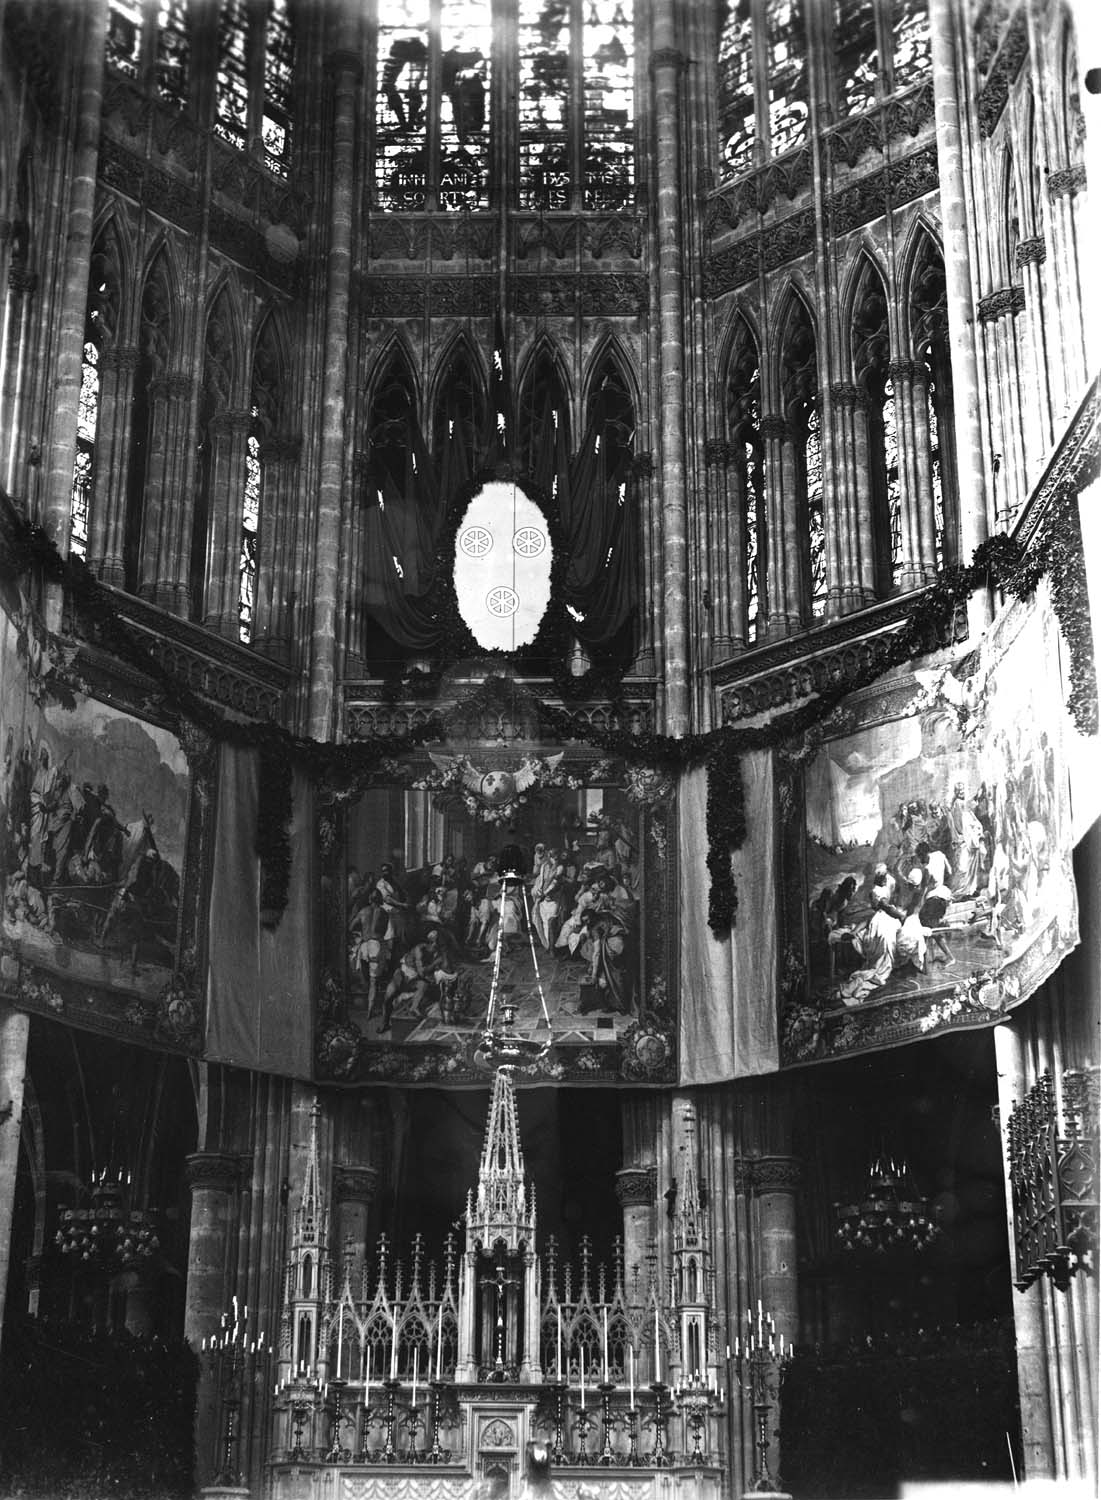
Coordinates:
[344,66]
[353,1193]
[666,67]
[650,618]
[22,285]
[107,522]
[777,523]
[724,572]
[14,1028]
[958,217]
[841,524]
[214,1178]
[775,1184]
[635,1190]
[1062,187]
[228,435]
[68,329]
[1031,255]
[998,315]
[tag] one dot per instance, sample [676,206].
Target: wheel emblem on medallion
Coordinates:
[502,602]
[528,542]
[476,541]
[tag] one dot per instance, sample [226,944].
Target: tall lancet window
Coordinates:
[871,359]
[748,480]
[250,531]
[803,510]
[173,52]
[576,104]
[937,449]
[544,422]
[759,40]
[98,328]
[856,55]
[275,122]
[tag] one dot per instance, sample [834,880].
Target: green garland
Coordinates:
[998,562]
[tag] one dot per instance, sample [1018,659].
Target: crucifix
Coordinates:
[500,1284]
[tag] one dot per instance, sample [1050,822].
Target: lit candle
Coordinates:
[605,1346]
[582,1377]
[367,1378]
[393,1346]
[631,1371]
[439,1343]
[340,1341]
[657,1346]
[558,1362]
[416,1357]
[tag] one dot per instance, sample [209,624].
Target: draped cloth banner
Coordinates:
[260,981]
[728,984]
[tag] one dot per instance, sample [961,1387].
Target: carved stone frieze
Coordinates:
[1006,301]
[366,719]
[622,231]
[667,57]
[1074,464]
[732,267]
[636,1187]
[618,294]
[229,421]
[1004,69]
[787,240]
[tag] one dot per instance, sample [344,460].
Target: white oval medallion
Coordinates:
[503,567]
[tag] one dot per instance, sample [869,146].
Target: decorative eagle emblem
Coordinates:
[495,790]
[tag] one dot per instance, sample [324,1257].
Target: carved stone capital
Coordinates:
[775,1174]
[642,466]
[904,369]
[716,453]
[1067,181]
[844,394]
[21,281]
[667,57]
[775,428]
[1032,252]
[122,357]
[230,421]
[172,387]
[1007,300]
[636,1187]
[275,450]
[344,60]
[220,1170]
[354,1184]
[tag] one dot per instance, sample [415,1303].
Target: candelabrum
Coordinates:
[607,1452]
[302,1398]
[412,1421]
[109,1234]
[757,1364]
[660,1456]
[229,1354]
[337,1453]
[633,1457]
[695,1398]
[389,1452]
[583,1424]
[437,1454]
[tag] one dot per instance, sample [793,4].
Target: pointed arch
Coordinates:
[804,506]
[223,347]
[743,402]
[543,427]
[159,329]
[460,408]
[609,358]
[390,418]
[270,373]
[877,416]
[1069,119]
[925,308]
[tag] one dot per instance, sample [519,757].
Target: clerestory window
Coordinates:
[763,91]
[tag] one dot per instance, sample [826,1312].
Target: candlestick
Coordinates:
[582,1377]
[367,1374]
[439,1342]
[393,1346]
[605,1366]
[558,1361]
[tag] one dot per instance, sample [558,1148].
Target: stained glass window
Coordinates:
[856,53]
[173,51]
[401,105]
[608,136]
[736,111]
[86,423]
[545,177]
[912,55]
[787,75]
[893,484]
[231,82]
[275,123]
[937,478]
[125,23]
[816,523]
[250,527]
[466,40]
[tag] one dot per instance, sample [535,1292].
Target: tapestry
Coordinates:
[260,975]
[496,890]
[926,847]
[97,822]
[728,982]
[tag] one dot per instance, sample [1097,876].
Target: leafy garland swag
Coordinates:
[1000,562]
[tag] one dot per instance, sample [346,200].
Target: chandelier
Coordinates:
[891,1216]
[109,1234]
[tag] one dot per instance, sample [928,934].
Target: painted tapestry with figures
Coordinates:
[468,891]
[97,819]
[927,848]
